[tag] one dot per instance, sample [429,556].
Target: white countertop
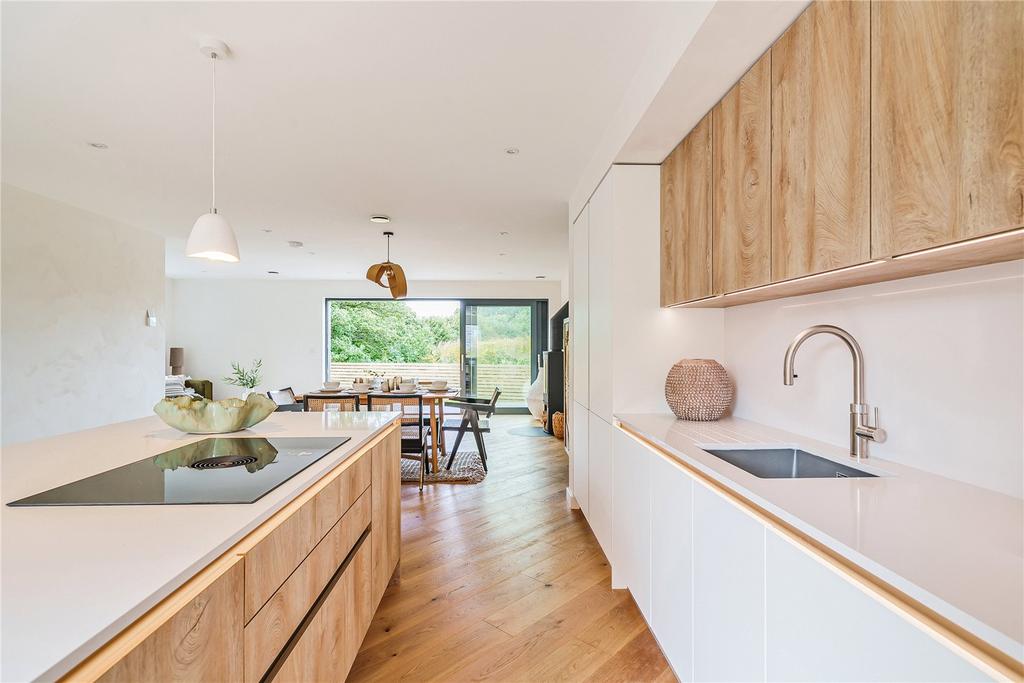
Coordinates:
[955,547]
[73,577]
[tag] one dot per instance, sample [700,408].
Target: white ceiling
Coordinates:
[327,112]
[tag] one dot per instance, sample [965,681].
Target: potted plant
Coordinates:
[247,378]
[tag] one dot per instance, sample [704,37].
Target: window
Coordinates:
[476,345]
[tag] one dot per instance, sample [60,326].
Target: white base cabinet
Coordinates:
[728,590]
[730,599]
[631,526]
[671,561]
[599,497]
[581,456]
[822,627]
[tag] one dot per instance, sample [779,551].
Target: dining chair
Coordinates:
[415,434]
[283,397]
[476,414]
[348,404]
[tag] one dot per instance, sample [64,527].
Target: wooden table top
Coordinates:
[425,393]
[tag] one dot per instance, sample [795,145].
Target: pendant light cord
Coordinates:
[213,137]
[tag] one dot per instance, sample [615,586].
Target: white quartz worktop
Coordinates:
[955,547]
[73,577]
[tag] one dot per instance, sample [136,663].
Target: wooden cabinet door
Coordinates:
[821,141]
[579,314]
[686,205]
[741,156]
[728,590]
[386,515]
[815,618]
[201,641]
[331,637]
[947,122]
[672,563]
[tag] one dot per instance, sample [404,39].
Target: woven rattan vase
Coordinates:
[698,389]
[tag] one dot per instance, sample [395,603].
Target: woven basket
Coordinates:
[558,424]
[699,390]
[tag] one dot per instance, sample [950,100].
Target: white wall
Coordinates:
[282,322]
[648,339]
[75,290]
[944,360]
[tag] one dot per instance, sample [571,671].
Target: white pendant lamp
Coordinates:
[212,237]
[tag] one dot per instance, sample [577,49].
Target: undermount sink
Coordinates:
[785,463]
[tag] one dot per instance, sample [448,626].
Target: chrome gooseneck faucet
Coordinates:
[860,430]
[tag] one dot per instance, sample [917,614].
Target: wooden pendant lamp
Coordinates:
[389,275]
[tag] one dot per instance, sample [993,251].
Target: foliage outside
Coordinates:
[390,332]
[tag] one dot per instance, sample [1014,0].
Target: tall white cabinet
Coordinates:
[614,364]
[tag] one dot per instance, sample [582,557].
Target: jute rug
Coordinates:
[467,469]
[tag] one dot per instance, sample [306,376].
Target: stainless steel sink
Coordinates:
[785,463]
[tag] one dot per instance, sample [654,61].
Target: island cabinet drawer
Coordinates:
[275,556]
[274,625]
[330,636]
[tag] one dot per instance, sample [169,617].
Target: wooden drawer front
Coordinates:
[274,558]
[331,637]
[386,538]
[331,503]
[274,624]
[199,642]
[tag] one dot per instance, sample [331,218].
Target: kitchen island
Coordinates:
[85,587]
[905,575]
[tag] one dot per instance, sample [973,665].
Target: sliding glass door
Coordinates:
[475,344]
[501,341]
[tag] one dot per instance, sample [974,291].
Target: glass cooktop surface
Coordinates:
[213,470]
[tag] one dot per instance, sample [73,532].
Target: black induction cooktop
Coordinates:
[214,470]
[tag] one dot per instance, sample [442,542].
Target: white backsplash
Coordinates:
[944,362]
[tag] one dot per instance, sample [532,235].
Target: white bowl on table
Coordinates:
[361,388]
[331,386]
[439,385]
[407,388]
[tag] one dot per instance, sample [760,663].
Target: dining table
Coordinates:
[434,398]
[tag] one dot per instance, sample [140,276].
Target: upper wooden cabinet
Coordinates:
[821,141]
[947,122]
[741,155]
[869,130]
[686,218]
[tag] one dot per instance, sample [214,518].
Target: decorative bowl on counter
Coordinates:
[698,389]
[214,417]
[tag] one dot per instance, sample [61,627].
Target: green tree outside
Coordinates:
[390,332]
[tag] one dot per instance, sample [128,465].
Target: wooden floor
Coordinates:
[502,581]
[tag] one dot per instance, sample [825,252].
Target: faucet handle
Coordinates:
[880,434]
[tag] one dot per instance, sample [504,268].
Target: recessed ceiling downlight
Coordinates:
[512,151]
[295,244]
[273,272]
[380,218]
[98,145]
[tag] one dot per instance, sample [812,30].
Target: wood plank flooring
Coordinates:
[501,581]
